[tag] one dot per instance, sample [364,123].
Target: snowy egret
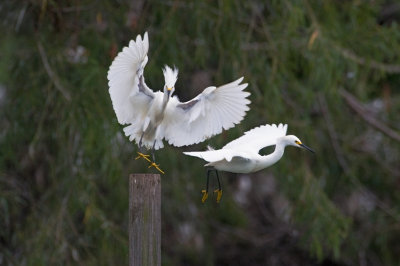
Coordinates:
[154,116]
[242,154]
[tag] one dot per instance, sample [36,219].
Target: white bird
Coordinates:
[242,154]
[154,116]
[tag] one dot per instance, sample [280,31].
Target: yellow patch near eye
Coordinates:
[169,88]
[297,142]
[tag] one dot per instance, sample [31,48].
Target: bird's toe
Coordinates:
[144,156]
[157,166]
[219,194]
[205,195]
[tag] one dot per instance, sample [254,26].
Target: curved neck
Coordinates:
[165,100]
[272,158]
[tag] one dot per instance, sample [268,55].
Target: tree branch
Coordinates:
[389,68]
[361,110]
[332,134]
[53,76]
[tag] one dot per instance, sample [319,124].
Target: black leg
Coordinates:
[141,150]
[205,191]
[152,151]
[153,164]
[219,190]
[219,183]
[208,178]
[140,143]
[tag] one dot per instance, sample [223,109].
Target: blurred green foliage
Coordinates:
[64,161]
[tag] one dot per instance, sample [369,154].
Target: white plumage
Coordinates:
[242,155]
[153,116]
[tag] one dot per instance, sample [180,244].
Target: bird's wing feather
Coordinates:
[127,88]
[218,155]
[258,138]
[214,109]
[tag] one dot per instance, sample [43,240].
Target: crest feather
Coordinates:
[170,76]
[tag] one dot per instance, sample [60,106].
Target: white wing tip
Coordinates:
[193,153]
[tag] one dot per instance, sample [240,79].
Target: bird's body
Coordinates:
[246,162]
[150,123]
[242,155]
[154,116]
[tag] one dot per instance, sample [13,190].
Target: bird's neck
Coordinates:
[165,101]
[272,158]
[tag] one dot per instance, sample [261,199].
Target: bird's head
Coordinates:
[170,76]
[292,140]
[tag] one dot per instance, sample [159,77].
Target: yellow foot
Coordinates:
[157,166]
[219,194]
[205,195]
[144,156]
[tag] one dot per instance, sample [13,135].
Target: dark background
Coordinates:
[329,69]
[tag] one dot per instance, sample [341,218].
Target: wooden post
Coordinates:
[144,220]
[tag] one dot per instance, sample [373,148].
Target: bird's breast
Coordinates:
[243,167]
[157,109]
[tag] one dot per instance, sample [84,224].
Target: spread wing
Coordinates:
[206,115]
[129,93]
[258,138]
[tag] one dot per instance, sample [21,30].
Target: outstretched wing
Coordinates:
[258,138]
[214,109]
[129,93]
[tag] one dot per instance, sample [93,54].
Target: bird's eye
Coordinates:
[297,142]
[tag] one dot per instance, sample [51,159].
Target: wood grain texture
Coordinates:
[144,219]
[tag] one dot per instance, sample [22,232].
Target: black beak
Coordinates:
[307,148]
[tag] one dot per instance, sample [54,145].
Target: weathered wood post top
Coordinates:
[144,220]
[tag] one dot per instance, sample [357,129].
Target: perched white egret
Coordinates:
[242,154]
[154,116]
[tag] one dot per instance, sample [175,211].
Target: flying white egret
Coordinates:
[154,116]
[242,154]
